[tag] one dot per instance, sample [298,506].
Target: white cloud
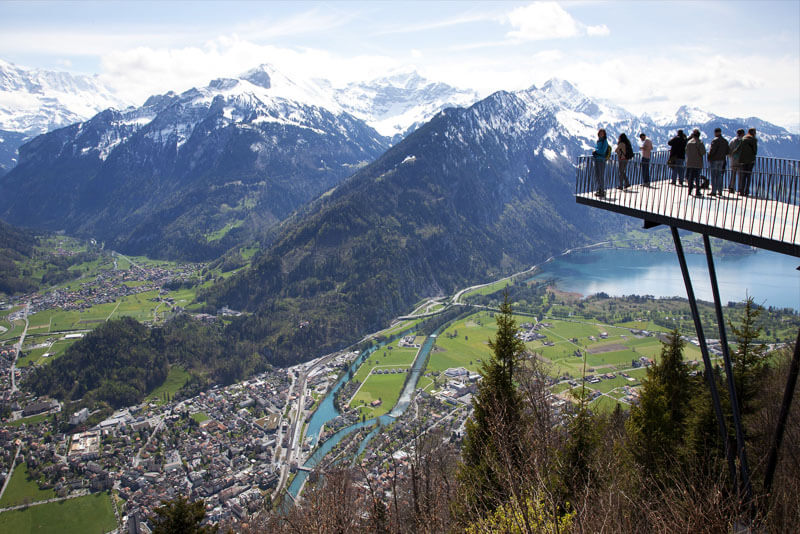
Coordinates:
[548,20]
[143,71]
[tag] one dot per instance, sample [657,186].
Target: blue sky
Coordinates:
[733,58]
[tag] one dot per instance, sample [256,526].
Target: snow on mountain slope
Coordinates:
[35,101]
[397,104]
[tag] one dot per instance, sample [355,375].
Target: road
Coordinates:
[19,348]
[126,258]
[10,472]
[295,431]
[80,493]
[138,457]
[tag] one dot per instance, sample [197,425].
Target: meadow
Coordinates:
[21,489]
[90,514]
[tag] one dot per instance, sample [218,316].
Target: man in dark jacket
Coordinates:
[734,158]
[716,161]
[747,151]
[677,156]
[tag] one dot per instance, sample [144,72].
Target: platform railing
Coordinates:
[768,208]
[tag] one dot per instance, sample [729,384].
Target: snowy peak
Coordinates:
[686,115]
[398,103]
[35,101]
[259,76]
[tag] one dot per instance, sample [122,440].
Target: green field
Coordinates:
[396,356]
[14,329]
[176,379]
[219,234]
[140,306]
[384,387]
[36,356]
[88,514]
[199,417]
[21,490]
[32,420]
[464,344]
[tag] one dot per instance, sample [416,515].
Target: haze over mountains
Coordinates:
[355,221]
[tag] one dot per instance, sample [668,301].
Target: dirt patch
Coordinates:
[567,296]
[614,347]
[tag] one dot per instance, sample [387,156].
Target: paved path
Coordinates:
[10,472]
[19,349]
[82,493]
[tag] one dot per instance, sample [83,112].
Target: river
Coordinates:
[770,278]
[327,411]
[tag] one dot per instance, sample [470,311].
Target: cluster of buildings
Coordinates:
[221,446]
[108,286]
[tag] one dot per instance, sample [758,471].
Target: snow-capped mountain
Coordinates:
[189,174]
[575,119]
[397,104]
[35,101]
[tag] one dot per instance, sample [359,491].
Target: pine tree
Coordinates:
[491,450]
[657,424]
[749,358]
[179,516]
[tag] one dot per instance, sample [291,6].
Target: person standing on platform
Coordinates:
[647,150]
[747,151]
[677,156]
[716,161]
[624,153]
[695,150]
[734,158]
[600,154]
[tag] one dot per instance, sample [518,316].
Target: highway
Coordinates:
[18,348]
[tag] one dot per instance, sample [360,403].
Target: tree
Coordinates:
[656,425]
[179,516]
[749,358]
[492,448]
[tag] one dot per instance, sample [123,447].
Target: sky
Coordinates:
[733,58]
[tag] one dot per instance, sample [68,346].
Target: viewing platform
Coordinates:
[767,217]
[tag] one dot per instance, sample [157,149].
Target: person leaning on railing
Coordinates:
[747,151]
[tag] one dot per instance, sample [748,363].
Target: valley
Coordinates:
[268,426]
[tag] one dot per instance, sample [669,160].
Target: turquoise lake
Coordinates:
[770,278]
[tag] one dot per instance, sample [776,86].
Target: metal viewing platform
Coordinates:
[767,217]
[759,208]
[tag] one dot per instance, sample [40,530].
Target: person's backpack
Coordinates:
[608,152]
[628,151]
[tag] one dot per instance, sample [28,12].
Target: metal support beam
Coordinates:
[712,384]
[788,394]
[723,338]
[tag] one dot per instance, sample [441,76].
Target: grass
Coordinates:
[32,420]
[384,387]
[14,329]
[176,379]
[21,489]
[89,514]
[487,290]
[55,350]
[199,417]
[219,234]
